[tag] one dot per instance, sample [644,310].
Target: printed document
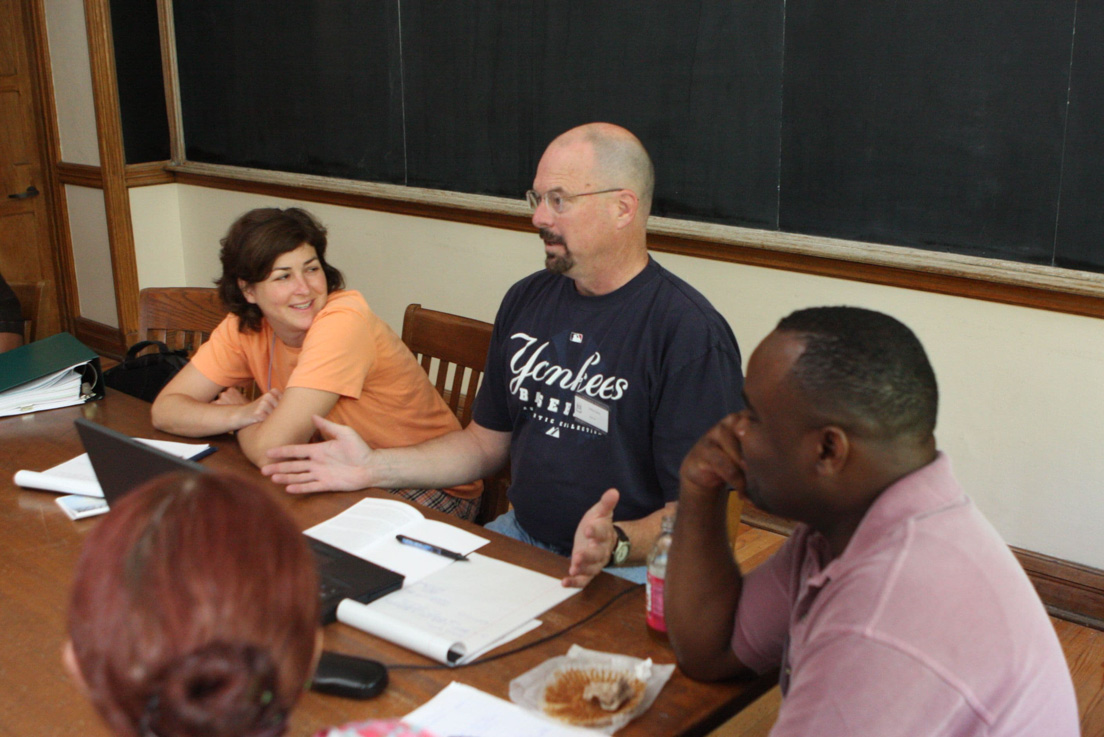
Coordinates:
[459,709]
[368,528]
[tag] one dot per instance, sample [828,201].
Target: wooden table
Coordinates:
[39,546]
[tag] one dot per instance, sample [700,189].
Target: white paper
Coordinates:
[458,614]
[459,709]
[76,476]
[368,528]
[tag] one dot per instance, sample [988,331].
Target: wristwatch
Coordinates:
[621,549]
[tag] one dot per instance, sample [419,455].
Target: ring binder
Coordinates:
[58,371]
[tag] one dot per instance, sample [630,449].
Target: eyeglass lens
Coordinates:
[554,199]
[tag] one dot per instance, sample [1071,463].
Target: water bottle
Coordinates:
[657,575]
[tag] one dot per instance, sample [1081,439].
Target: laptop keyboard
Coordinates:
[330,588]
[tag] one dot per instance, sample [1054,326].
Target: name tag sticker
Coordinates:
[592,412]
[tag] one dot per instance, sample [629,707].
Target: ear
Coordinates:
[833,450]
[69,660]
[247,291]
[627,206]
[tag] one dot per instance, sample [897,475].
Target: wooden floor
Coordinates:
[1084,648]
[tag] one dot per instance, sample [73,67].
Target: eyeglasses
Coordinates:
[558,200]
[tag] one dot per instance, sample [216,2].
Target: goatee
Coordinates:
[557,264]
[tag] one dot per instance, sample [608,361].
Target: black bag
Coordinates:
[145,376]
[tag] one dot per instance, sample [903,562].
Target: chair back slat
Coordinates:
[179,317]
[469,389]
[452,350]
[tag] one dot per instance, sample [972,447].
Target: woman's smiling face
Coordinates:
[291,295]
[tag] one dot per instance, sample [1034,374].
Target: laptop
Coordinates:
[122,463]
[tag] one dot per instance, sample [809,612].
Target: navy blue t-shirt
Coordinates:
[601,392]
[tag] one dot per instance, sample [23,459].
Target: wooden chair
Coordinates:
[180,317]
[733,516]
[32,304]
[452,350]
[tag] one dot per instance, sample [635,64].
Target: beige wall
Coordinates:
[1022,395]
[91,254]
[72,77]
[155,221]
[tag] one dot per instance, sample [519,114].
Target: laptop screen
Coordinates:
[122,463]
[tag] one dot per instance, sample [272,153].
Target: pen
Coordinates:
[204,453]
[431,548]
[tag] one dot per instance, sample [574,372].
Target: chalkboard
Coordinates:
[960,127]
[1080,241]
[137,42]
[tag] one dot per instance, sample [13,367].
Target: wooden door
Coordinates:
[26,235]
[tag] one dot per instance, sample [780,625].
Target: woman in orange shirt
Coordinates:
[313,348]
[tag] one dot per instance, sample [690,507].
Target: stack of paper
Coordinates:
[456,615]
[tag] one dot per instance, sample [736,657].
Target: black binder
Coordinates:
[58,357]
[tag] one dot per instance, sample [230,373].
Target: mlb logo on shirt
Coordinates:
[576,337]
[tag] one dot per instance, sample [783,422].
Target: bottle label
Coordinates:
[654,594]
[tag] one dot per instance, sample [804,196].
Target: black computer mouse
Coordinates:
[349,676]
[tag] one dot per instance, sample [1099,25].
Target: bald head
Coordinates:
[620,159]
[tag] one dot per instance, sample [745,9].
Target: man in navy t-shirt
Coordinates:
[603,371]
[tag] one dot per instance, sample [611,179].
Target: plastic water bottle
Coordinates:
[657,575]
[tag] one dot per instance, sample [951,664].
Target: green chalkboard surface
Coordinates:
[961,127]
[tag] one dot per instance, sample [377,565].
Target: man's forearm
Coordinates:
[449,460]
[702,587]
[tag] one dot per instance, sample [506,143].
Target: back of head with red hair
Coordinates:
[194,610]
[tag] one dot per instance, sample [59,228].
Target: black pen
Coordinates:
[431,548]
[204,453]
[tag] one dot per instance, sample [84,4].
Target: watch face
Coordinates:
[621,550]
[620,553]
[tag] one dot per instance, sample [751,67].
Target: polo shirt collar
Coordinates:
[925,490]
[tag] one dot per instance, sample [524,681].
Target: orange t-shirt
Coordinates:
[383,393]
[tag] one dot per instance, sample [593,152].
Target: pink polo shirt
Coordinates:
[925,625]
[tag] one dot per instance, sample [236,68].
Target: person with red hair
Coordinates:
[194,611]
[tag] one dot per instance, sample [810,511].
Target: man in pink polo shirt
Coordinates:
[894,608]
